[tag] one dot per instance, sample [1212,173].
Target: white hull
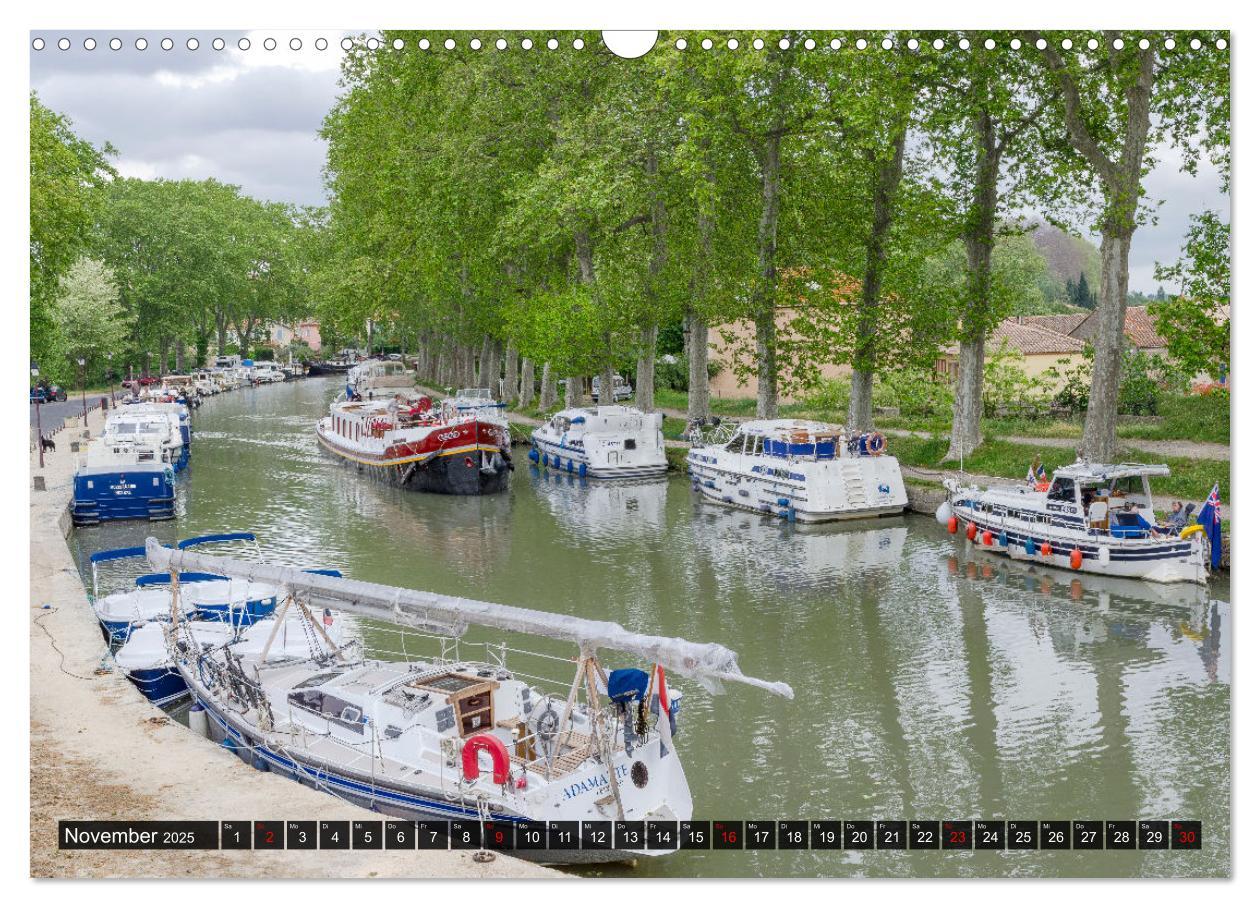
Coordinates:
[602,443]
[846,488]
[1159,560]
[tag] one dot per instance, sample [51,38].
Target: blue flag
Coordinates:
[1210,518]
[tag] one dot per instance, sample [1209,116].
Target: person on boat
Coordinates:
[1176,517]
[352,394]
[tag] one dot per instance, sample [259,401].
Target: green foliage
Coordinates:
[1194,322]
[1008,388]
[1139,390]
[91,324]
[66,181]
[1073,382]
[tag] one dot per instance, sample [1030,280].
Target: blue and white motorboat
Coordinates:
[147,662]
[611,442]
[123,480]
[1097,518]
[208,597]
[146,420]
[797,470]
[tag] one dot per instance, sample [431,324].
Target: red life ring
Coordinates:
[498,754]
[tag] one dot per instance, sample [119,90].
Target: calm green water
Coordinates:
[927,686]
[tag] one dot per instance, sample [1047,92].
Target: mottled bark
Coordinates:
[547,393]
[1099,442]
[573,391]
[525,396]
[978,237]
[511,377]
[487,372]
[764,288]
[645,374]
[886,176]
[164,349]
[697,332]
[179,356]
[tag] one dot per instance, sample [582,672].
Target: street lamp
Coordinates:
[83,388]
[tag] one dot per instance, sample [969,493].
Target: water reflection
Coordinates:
[932,681]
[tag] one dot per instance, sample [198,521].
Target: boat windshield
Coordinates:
[1062,490]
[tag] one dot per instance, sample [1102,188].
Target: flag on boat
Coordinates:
[1210,518]
[1041,473]
[1031,479]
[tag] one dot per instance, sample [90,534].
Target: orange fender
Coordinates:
[971,531]
[986,538]
[952,524]
[1046,550]
[498,754]
[1076,559]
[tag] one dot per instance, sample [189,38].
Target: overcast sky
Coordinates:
[251,117]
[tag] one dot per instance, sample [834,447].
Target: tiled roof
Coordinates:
[1064,324]
[1139,328]
[1027,337]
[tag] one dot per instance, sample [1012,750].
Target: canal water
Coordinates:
[931,683]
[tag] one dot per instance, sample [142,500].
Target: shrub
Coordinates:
[1139,392]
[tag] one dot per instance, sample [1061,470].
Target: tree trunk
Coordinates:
[510,375]
[764,289]
[573,392]
[1099,442]
[965,435]
[645,374]
[220,324]
[697,332]
[887,178]
[487,375]
[526,394]
[179,356]
[547,394]
[164,349]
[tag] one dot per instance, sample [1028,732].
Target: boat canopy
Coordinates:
[216,537]
[708,663]
[117,554]
[1105,472]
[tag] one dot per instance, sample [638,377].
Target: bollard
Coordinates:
[39,483]
[74,447]
[104,403]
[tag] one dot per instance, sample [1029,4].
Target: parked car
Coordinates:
[43,392]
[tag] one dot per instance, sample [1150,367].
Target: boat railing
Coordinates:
[452,651]
[715,431]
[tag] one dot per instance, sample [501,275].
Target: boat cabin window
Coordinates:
[630,444]
[1062,490]
[332,708]
[736,444]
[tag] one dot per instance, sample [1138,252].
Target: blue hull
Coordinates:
[122,495]
[159,685]
[254,610]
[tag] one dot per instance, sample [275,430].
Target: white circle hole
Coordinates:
[167,44]
[346,44]
[835,43]
[1016,44]
[989,44]
[1195,43]
[938,44]
[707,44]
[1144,44]
[1169,44]
[552,44]
[886,44]
[1117,44]
[372,44]
[243,44]
[578,44]
[1067,43]
[295,44]
[964,44]
[64,43]
[115,44]
[1041,44]
[38,44]
[270,44]
[89,44]
[732,44]
[1221,44]
[758,44]
[527,44]
[913,44]
[321,44]
[142,43]
[681,44]
[424,43]
[449,43]
[192,44]
[501,44]
[810,44]
[398,44]
[1092,44]
[784,44]
[218,44]
[861,44]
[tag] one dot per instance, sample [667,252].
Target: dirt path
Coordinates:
[1197,450]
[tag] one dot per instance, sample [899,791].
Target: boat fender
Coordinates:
[783,502]
[581,471]
[986,538]
[952,524]
[971,531]
[1192,529]
[1076,559]
[1003,541]
[1046,549]
[944,512]
[498,756]
[1029,546]
[533,455]
[570,466]
[1104,555]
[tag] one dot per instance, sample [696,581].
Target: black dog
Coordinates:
[47,443]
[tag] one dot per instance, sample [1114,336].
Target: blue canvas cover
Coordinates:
[625,685]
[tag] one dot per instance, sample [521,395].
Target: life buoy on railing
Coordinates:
[498,754]
[876,443]
[1192,529]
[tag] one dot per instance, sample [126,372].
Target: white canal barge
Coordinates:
[612,442]
[797,470]
[1092,517]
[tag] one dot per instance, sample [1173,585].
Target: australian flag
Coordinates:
[1210,518]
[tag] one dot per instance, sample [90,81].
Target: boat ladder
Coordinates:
[855,490]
